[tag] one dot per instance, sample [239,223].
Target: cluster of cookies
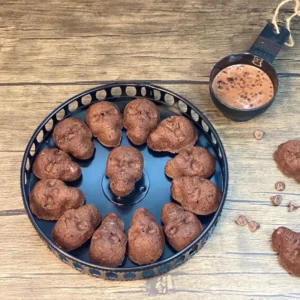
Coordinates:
[52,199]
[285,241]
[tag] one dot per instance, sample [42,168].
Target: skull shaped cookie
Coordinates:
[108,243]
[74,137]
[191,161]
[50,198]
[55,164]
[124,168]
[105,121]
[173,134]
[181,227]
[145,238]
[75,227]
[287,244]
[141,116]
[287,157]
[196,194]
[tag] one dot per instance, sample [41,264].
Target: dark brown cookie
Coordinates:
[75,227]
[105,121]
[55,164]
[191,161]
[141,116]
[124,168]
[50,198]
[196,194]
[173,134]
[180,227]
[108,243]
[287,157]
[145,238]
[287,244]
[74,137]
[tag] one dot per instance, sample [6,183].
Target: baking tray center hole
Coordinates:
[138,194]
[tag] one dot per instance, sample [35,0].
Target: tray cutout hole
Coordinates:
[86,100]
[205,126]
[195,116]
[49,125]
[116,91]
[25,177]
[157,95]
[95,273]
[193,250]
[130,91]
[101,95]
[169,99]
[63,258]
[182,106]
[129,276]
[163,268]
[220,154]
[148,273]
[213,139]
[111,275]
[143,91]
[78,266]
[60,115]
[40,136]
[27,164]
[32,149]
[180,260]
[73,106]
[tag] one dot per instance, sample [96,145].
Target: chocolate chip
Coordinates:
[276,200]
[253,226]
[241,220]
[230,80]
[280,186]
[258,134]
[292,206]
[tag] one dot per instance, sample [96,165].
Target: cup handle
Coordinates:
[269,43]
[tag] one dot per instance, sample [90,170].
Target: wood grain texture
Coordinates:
[52,50]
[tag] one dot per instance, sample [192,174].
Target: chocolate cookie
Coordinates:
[287,244]
[108,243]
[105,121]
[191,161]
[124,168]
[55,164]
[75,227]
[141,116]
[145,238]
[74,137]
[173,134]
[50,198]
[180,227]
[196,194]
[287,157]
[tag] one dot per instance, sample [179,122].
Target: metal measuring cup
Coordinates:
[261,55]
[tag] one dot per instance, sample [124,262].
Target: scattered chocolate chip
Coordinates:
[253,226]
[292,206]
[258,134]
[276,200]
[280,186]
[241,220]
[230,80]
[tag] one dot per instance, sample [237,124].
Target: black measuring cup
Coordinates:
[261,55]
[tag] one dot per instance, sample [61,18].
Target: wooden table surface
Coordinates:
[52,50]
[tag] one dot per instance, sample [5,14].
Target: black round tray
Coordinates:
[152,192]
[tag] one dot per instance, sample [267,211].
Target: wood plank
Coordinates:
[65,41]
[52,50]
[34,103]
[231,260]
